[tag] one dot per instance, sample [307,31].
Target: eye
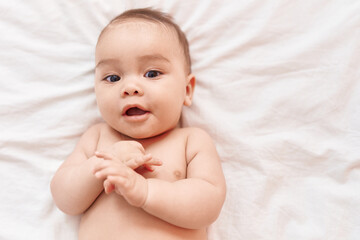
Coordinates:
[112,78]
[152,74]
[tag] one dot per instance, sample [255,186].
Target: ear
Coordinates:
[190,86]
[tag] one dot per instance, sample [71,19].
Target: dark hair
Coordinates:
[156,16]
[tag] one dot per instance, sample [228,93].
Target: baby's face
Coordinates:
[140,78]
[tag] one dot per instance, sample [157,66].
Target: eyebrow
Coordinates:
[144,58]
[107,61]
[155,57]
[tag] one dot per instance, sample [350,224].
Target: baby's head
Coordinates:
[143,73]
[157,17]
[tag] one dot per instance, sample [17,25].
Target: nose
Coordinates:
[131,89]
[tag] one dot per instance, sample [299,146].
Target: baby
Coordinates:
[138,175]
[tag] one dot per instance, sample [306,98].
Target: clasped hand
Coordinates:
[118,170]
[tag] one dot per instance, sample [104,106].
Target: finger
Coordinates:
[120,184]
[108,187]
[117,180]
[149,165]
[153,161]
[113,169]
[104,155]
[133,188]
[101,165]
[138,161]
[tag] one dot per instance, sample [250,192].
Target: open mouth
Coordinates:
[135,111]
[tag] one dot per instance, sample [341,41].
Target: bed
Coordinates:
[278,89]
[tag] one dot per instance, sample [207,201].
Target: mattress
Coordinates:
[278,89]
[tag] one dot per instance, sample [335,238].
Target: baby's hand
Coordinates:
[125,150]
[123,180]
[131,153]
[137,161]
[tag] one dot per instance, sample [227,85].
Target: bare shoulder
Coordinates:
[96,130]
[92,134]
[195,132]
[198,140]
[98,127]
[88,141]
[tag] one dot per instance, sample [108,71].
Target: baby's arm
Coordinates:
[74,187]
[194,202]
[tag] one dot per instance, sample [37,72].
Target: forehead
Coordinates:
[140,25]
[138,33]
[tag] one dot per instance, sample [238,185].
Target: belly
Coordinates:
[111,217]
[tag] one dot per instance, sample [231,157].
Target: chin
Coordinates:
[145,134]
[140,134]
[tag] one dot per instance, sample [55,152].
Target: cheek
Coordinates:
[103,102]
[173,98]
[172,103]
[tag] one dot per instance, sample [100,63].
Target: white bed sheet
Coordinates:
[277,88]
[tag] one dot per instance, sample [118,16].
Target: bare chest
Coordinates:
[111,215]
[170,148]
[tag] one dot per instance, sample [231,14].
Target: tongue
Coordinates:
[135,111]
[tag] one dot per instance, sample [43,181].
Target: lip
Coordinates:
[135,118]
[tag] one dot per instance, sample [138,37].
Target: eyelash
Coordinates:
[110,78]
[158,73]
